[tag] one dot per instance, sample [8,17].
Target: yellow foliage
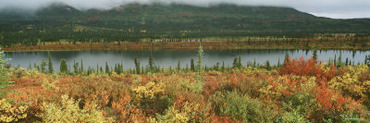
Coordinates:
[9,113]
[172,116]
[68,111]
[148,91]
[254,71]
[350,82]
[49,85]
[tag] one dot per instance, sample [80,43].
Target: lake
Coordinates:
[167,58]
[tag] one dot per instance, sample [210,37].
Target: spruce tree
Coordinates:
[199,62]
[223,67]
[192,67]
[151,62]
[51,68]
[314,56]
[107,68]
[30,66]
[178,66]
[63,66]
[240,62]
[254,62]
[75,67]
[335,60]
[97,68]
[43,66]
[267,65]
[235,63]
[82,67]
[4,73]
[35,66]
[339,62]
[137,65]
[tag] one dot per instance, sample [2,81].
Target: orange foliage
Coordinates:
[307,68]
[329,99]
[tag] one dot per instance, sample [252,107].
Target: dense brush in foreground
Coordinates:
[298,91]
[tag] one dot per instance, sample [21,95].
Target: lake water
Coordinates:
[167,58]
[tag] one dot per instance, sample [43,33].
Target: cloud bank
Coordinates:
[326,8]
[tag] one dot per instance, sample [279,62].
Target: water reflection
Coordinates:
[166,58]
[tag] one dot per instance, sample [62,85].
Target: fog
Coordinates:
[326,8]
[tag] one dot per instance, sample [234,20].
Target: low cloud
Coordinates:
[327,8]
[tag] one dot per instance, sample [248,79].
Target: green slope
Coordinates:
[135,21]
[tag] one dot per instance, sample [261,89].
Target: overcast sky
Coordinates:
[325,8]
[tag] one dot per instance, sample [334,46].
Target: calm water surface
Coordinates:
[168,58]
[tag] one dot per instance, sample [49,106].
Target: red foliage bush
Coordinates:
[310,67]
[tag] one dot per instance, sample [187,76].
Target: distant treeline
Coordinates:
[156,22]
[79,69]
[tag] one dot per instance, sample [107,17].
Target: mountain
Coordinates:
[136,21]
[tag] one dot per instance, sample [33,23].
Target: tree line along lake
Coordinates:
[171,58]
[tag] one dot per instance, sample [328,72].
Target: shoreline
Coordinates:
[192,46]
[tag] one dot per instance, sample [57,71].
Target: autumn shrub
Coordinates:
[308,67]
[11,113]
[333,103]
[103,90]
[172,115]
[293,117]
[68,110]
[49,85]
[353,82]
[19,72]
[196,87]
[151,97]
[237,106]
[189,112]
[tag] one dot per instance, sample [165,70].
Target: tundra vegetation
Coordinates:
[298,90]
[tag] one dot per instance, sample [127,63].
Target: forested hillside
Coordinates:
[136,22]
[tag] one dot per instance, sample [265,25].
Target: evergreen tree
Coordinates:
[179,66]
[240,62]
[137,65]
[4,72]
[82,70]
[63,66]
[340,63]
[199,62]
[97,67]
[267,65]
[29,66]
[107,68]
[192,67]
[43,66]
[335,60]
[35,66]
[314,55]
[367,60]
[51,68]
[223,67]
[151,62]
[235,63]
[254,62]
[217,66]
[75,67]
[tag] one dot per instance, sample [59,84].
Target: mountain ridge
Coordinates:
[133,22]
